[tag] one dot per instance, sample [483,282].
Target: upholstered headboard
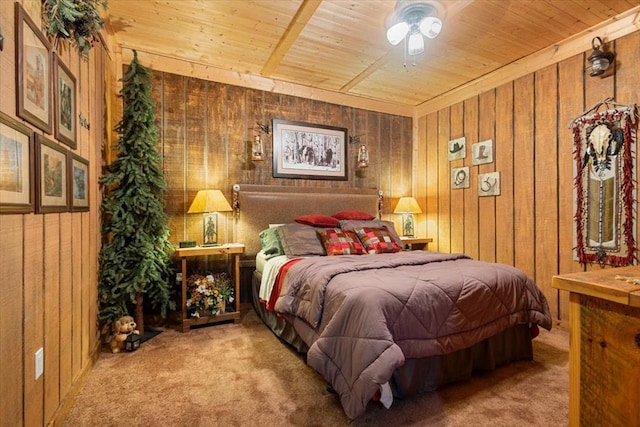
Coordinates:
[257,206]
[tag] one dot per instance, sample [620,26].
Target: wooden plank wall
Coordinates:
[206,127]
[530,225]
[49,262]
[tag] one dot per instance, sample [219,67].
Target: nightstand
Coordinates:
[228,249]
[415,243]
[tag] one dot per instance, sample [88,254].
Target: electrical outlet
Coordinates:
[39,362]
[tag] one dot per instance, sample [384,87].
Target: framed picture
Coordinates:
[210,229]
[482,152]
[489,184]
[460,178]
[78,182]
[34,72]
[16,167]
[309,151]
[52,193]
[457,148]
[64,89]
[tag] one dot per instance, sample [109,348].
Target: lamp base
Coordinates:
[210,229]
[407,225]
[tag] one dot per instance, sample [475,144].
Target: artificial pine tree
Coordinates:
[135,256]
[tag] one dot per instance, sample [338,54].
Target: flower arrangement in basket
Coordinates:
[208,295]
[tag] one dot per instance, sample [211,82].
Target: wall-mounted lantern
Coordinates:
[599,59]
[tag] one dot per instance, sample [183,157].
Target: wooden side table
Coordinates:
[415,243]
[604,350]
[234,249]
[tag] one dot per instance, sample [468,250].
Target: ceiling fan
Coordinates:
[410,21]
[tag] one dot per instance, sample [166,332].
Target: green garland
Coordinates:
[78,20]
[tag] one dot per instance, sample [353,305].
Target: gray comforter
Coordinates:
[371,312]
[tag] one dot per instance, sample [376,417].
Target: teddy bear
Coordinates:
[122,328]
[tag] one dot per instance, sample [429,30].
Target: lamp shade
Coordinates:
[407,205]
[209,201]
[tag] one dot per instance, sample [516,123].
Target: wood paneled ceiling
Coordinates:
[340,45]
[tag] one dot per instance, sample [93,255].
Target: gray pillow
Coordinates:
[300,240]
[352,224]
[270,242]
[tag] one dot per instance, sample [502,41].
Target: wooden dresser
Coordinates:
[604,352]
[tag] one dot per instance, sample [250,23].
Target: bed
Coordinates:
[376,321]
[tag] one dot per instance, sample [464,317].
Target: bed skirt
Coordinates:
[424,374]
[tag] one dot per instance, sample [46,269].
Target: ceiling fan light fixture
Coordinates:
[397,32]
[416,44]
[431,26]
[410,21]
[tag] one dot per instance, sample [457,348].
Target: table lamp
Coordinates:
[407,206]
[209,203]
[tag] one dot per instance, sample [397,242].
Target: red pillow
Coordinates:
[354,215]
[317,220]
[339,242]
[377,240]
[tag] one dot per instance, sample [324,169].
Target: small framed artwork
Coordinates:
[457,148]
[33,76]
[78,182]
[16,167]
[309,151]
[210,227]
[52,193]
[482,152]
[460,178]
[489,184]
[64,89]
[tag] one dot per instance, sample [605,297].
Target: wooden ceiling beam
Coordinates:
[299,21]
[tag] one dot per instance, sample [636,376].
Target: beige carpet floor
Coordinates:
[242,375]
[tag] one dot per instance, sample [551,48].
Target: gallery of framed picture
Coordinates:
[37,174]
[481,153]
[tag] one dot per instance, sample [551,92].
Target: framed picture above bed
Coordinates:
[309,151]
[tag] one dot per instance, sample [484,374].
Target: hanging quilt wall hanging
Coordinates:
[605,184]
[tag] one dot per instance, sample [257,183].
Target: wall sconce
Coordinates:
[363,152]
[599,59]
[209,203]
[363,157]
[264,128]
[407,206]
[256,149]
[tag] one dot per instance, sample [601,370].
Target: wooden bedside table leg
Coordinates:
[236,267]
[184,295]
